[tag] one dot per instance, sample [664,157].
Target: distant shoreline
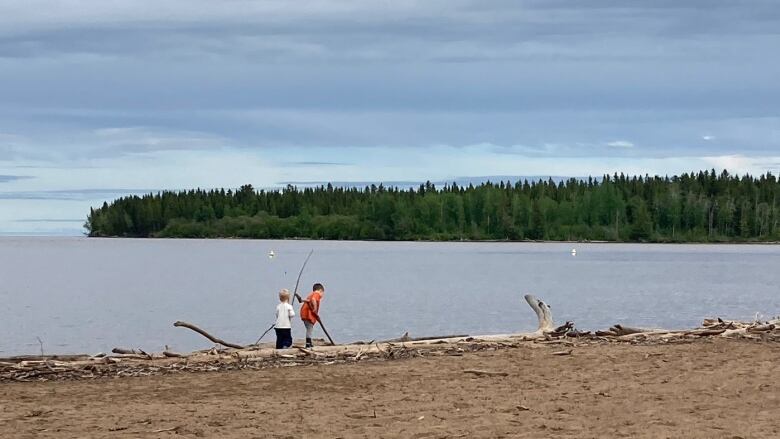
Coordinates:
[464,241]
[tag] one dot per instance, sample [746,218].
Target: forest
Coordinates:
[695,207]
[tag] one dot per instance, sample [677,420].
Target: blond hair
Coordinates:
[284,295]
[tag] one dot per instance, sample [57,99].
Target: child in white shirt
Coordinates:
[283,326]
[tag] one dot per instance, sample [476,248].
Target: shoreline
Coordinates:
[701,387]
[464,241]
[136,362]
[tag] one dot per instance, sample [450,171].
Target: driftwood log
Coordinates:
[207,335]
[543,313]
[406,338]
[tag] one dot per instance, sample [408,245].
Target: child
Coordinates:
[283,326]
[310,310]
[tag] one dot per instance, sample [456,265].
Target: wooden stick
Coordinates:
[300,300]
[266,332]
[317,316]
[298,281]
[479,372]
[559,353]
[207,335]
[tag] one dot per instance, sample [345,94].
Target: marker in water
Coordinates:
[271,254]
[574,252]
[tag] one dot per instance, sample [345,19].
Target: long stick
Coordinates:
[300,300]
[298,281]
[266,332]
[317,316]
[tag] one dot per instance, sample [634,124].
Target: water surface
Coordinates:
[90,295]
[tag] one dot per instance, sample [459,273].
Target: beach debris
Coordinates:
[617,330]
[125,362]
[407,338]
[479,372]
[206,334]
[561,353]
[162,430]
[82,367]
[543,313]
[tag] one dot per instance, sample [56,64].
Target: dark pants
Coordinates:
[283,338]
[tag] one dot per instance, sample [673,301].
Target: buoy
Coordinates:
[271,254]
[574,252]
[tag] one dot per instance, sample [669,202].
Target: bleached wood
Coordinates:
[543,313]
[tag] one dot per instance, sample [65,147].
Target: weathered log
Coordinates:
[627,330]
[66,357]
[207,335]
[400,339]
[170,354]
[761,328]
[407,338]
[705,332]
[562,330]
[126,351]
[543,313]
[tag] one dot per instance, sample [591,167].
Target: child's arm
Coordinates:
[291,312]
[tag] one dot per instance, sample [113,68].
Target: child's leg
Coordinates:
[309,329]
[288,341]
[279,338]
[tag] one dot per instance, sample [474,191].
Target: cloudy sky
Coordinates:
[104,97]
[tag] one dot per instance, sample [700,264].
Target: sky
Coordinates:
[101,98]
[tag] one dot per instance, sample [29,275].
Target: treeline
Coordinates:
[695,207]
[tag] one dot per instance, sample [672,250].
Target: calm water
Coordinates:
[89,295]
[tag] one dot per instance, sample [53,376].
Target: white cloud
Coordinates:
[620,144]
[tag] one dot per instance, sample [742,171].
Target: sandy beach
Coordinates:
[710,388]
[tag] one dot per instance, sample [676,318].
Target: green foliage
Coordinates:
[690,207]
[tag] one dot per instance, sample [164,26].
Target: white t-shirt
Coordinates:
[284,314]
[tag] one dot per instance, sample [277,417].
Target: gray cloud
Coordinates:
[73,194]
[49,220]
[318,163]
[542,78]
[9,178]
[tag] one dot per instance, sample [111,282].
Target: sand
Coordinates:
[712,388]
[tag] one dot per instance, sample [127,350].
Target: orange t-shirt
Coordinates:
[306,313]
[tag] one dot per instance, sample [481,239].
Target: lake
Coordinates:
[80,295]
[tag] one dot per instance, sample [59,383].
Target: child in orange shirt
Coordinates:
[310,310]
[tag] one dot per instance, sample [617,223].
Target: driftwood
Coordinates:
[20,358]
[207,335]
[561,353]
[136,362]
[170,354]
[137,365]
[543,313]
[407,338]
[619,330]
[128,352]
[479,372]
